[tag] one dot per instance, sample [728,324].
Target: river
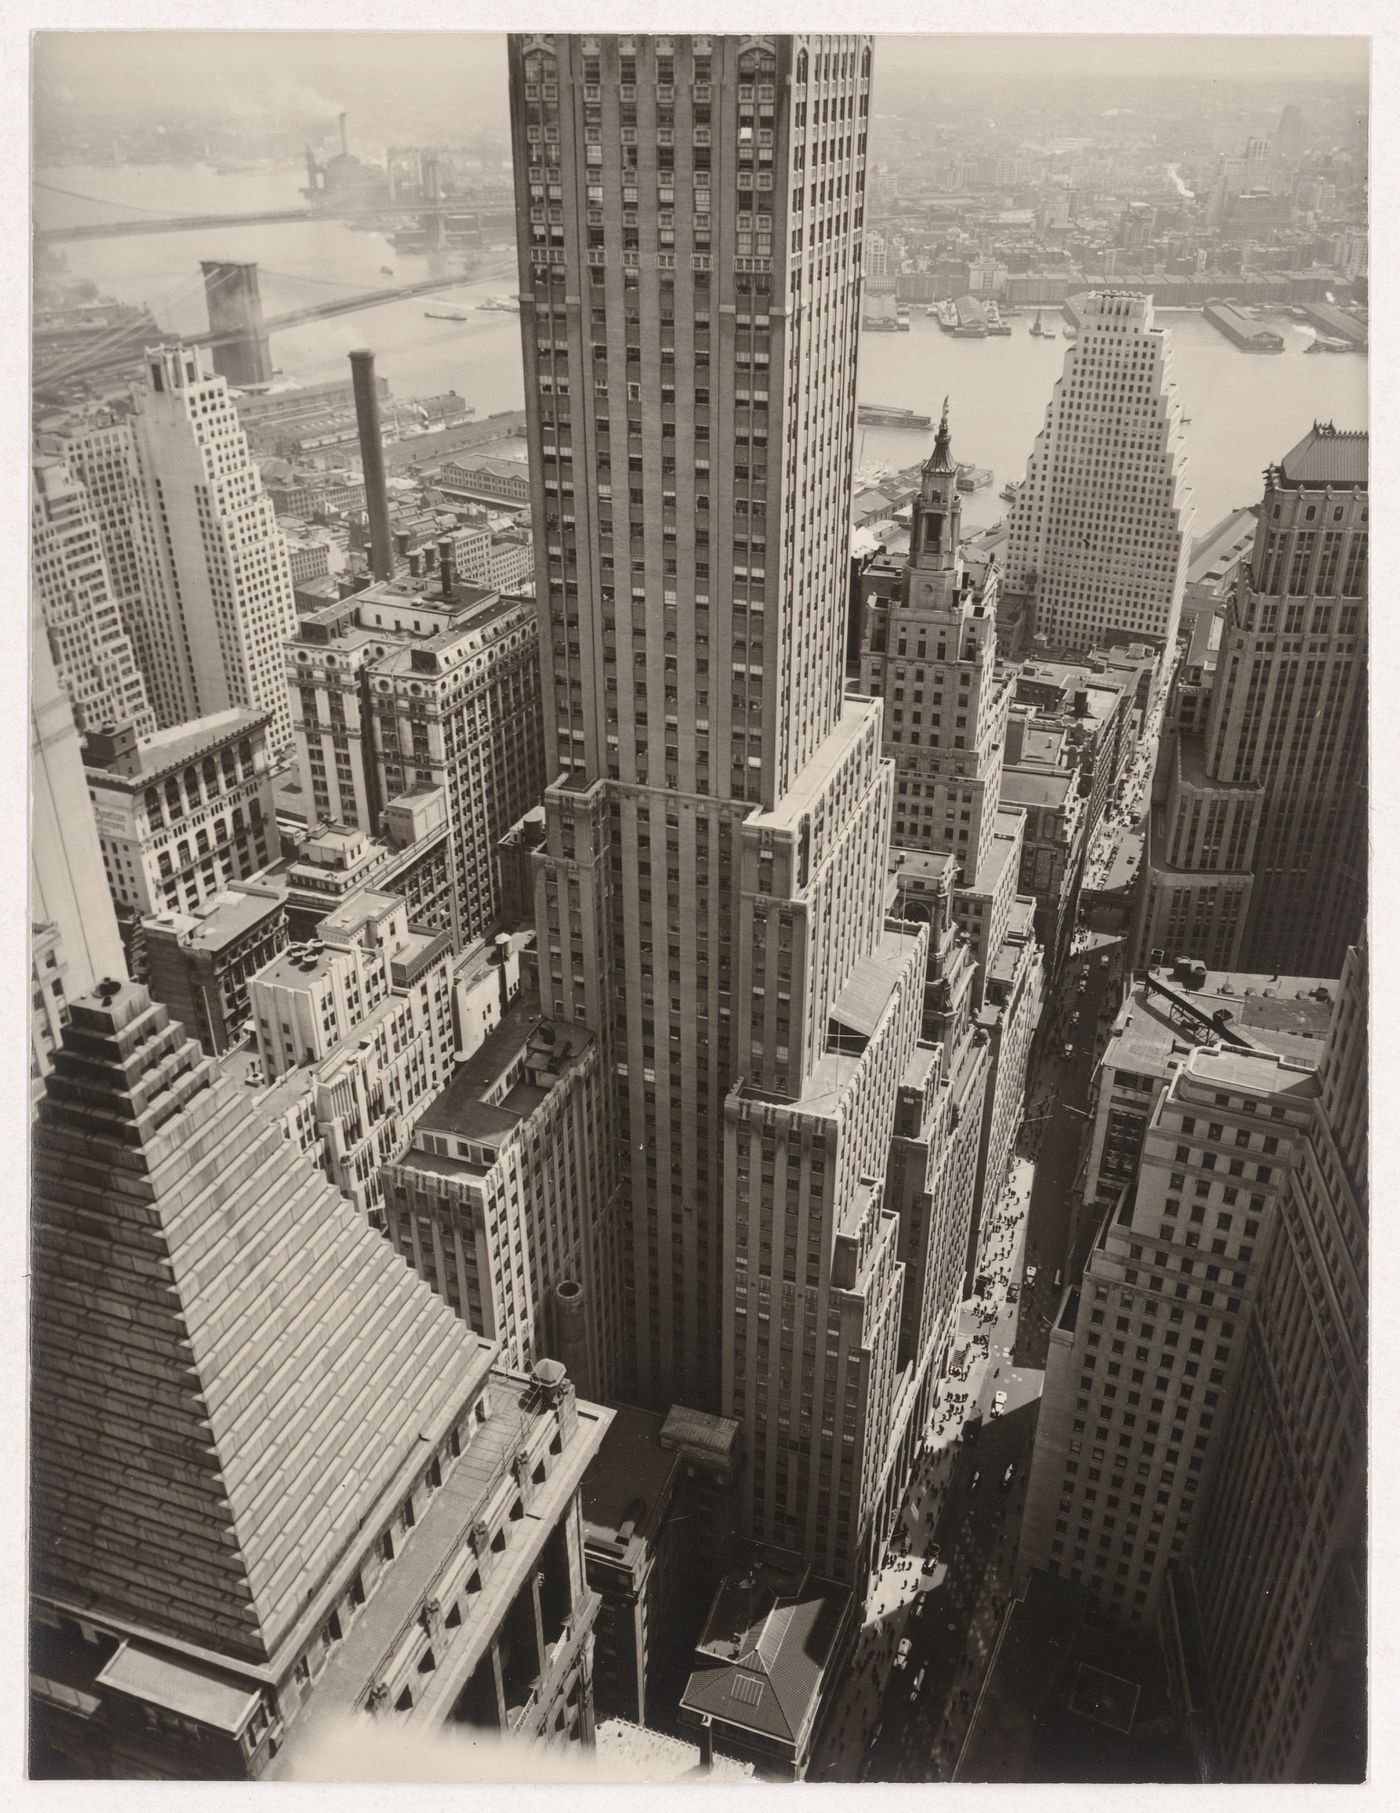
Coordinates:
[1244,409]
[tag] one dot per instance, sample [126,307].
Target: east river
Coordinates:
[1244,410]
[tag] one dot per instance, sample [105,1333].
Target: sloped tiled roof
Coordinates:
[762,1658]
[1328,456]
[230,1366]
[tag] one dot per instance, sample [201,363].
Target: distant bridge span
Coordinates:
[187,223]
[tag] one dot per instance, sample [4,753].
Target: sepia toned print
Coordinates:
[698,893]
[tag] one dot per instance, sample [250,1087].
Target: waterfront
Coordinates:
[1244,410]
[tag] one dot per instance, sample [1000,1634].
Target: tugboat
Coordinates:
[1010,488]
[1038,329]
[386,270]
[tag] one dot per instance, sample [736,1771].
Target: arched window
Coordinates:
[865,63]
[801,66]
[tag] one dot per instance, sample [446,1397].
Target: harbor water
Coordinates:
[1244,409]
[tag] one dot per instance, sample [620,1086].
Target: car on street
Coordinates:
[1030,1274]
[1103,962]
[1006,1477]
[1069,1048]
[976,1481]
[1013,1292]
[901,1656]
[917,1684]
[998,1403]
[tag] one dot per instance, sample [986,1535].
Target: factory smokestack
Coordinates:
[381,547]
[344,135]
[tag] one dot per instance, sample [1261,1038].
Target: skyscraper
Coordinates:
[96,663]
[1101,528]
[75,942]
[1257,843]
[217,589]
[691,214]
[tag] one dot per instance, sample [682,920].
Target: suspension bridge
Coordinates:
[136,220]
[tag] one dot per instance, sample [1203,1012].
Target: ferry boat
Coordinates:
[886,415]
[995,324]
[948,315]
[447,314]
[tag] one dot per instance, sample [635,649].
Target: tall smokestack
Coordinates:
[344,135]
[381,547]
[445,564]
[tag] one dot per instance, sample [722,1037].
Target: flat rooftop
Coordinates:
[630,1477]
[166,749]
[1221,547]
[1034,787]
[1285,1016]
[221,921]
[807,788]
[461,1109]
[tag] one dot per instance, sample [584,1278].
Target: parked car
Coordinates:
[1030,1274]
[1013,1292]
[1103,962]
[901,1655]
[998,1403]
[1006,1477]
[918,1683]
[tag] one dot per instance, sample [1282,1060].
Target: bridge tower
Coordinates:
[434,224]
[235,308]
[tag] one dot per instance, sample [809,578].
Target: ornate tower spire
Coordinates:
[941,459]
[933,545]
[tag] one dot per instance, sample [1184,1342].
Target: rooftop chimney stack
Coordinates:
[445,565]
[381,558]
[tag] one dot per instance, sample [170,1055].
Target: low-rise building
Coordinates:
[366,1008]
[770,1647]
[199,964]
[509,479]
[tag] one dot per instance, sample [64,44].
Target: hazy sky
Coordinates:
[422,84]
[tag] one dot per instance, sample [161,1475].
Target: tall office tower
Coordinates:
[1145,1355]
[275,1480]
[691,215]
[74,938]
[416,684]
[927,645]
[218,589]
[1101,528]
[931,654]
[97,449]
[1257,841]
[1278,1573]
[91,649]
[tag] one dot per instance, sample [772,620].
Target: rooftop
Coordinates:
[462,1109]
[221,921]
[154,755]
[1327,456]
[1290,1019]
[628,1484]
[636,1753]
[765,1649]
[1035,787]
[1215,552]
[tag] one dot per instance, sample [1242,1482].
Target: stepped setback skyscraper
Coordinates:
[1101,528]
[691,213]
[1257,852]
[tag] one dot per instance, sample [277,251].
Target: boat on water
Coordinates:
[1010,488]
[970,330]
[995,323]
[932,311]
[1070,333]
[386,270]
[1038,327]
[973,478]
[446,314]
[500,305]
[886,415]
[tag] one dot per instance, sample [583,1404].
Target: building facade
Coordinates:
[691,215]
[198,964]
[365,1011]
[74,938]
[183,813]
[506,1202]
[247,1522]
[1145,1353]
[216,586]
[1278,1571]
[409,686]
[1258,843]
[96,664]
[1101,527]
